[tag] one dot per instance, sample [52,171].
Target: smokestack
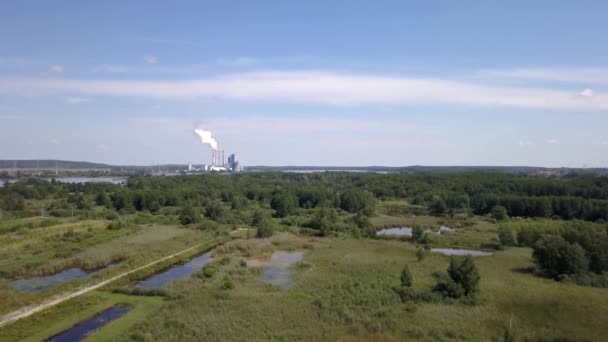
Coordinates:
[213,156]
[223,160]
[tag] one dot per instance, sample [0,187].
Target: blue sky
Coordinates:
[306,83]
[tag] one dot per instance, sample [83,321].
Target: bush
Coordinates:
[499,213]
[188,216]
[506,236]
[227,284]
[421,253]
[207,271]
[555,256]
[263,223]
[462,278]
[417,233]
[447,287]
[406,277]
[464,272]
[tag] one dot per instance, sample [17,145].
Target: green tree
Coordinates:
[283,203]
[418,233]
[499,213]
[464,272]
[188,215]
[103,199]
[556,256]
[406,277]
[215,211]
[438,206]
[263,223]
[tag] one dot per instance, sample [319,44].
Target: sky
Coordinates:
[344,83]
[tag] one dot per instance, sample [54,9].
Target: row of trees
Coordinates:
[582,197]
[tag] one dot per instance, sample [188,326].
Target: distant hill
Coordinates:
[433,169]
[51,164]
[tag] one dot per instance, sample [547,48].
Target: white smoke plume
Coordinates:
[206,138]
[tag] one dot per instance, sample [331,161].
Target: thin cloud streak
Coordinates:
[328,88]
[577,75]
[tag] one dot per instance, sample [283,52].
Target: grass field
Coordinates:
[343,290]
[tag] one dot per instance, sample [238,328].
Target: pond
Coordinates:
[81,330]
[400,231]
[450,251]
[278,271]
[42,283]
[186,270]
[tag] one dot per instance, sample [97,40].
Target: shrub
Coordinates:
[207,271]
[263,223]
[188,216]
[421,253]
[417,233]
[464,272]
[406,277]
[556,256]
[227,284]
[447,287]
[499,213]
[506,236]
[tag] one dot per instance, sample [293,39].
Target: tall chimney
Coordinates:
[213,157]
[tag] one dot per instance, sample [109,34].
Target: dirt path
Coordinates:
[32,309]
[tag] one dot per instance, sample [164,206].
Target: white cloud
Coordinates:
[587,92]
[75,100]
[103,147]
[604,142]
[523,143]
[54,141]
[553,142]
[56,69]
[315,87]
[573,75]
[151,59]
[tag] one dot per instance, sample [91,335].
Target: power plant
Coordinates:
[218,161]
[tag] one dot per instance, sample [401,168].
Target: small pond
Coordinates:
[81,330]
[401,231]
[450,251]
[278,271]
[42,283]
[159,280]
